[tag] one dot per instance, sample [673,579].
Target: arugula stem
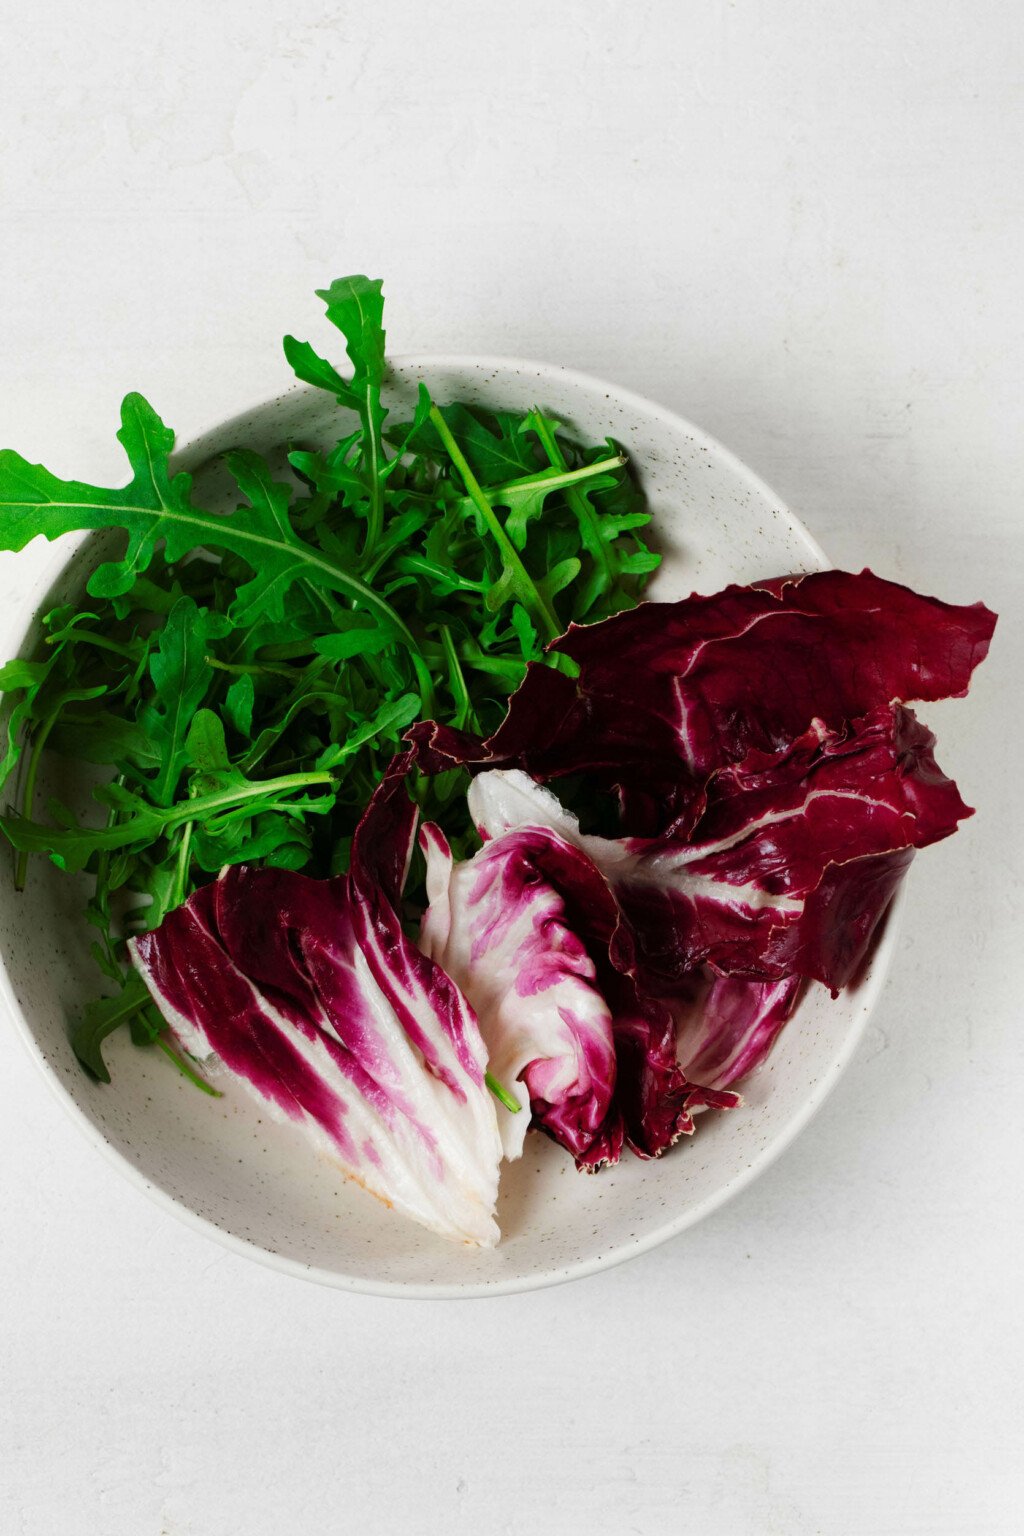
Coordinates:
[29,795]
[502,1094]
[157,819]
[101,895]
[183,864]
[426,684]
[291,650]
[187,1070]
[253,669]
[565,479]
[526,589]
[204,805]
[464,712]
[581,508]
[419,565]
[87,637]
[135,681]
[372,449]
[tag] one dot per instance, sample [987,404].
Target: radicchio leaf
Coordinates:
[532,933]
[311,993]
[667,693]
[499,925]
[791,864]
[728,1025]
[794,857]
[656,1094]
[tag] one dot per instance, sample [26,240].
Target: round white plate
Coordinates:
[256,1185]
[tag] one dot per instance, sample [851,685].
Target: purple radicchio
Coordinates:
[532,934]
[667,693]
[775,788]
[726,1026]
[311,993]
[793,859]
[656,1092]
[789,868]
[499,925]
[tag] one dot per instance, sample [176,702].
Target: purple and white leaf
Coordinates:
[310,993]
[646,1100]
[499,924]
[727,1025]
[793,859]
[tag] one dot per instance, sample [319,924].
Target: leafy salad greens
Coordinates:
[239,681]
[335,709]
[772,788]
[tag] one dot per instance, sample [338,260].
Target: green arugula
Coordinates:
[156,507]
[180,680]
[244,674]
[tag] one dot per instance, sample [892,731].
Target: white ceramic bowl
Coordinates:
[256,1185]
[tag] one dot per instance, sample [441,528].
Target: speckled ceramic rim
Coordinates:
[189,456]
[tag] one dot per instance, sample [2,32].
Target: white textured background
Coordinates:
[799,223]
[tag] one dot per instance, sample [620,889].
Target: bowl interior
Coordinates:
[257,1183]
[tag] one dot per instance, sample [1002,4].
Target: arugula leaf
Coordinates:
[306,696]
[333,474]
[72,847]
[205,745]
[246,675]
[311,368]
[356,306]
[239,703]
[525,499]
[493,443]
[102,1017]
[155,506]
[180,680]
[26,678]
[389,719]
[272,836]
[132,1006]
[361,636]
[599,530]
[101,739]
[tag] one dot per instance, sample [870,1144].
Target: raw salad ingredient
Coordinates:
[506,926]
[779,825]
[531,930]
[620,984]
[673,692]
[309,992]
[242,677]
[742,785]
